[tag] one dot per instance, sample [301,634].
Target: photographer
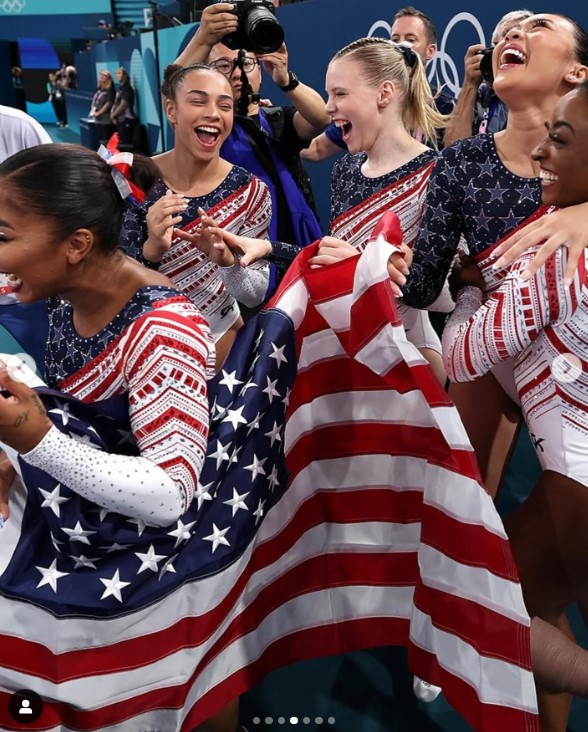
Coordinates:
[265,140]
[478,109]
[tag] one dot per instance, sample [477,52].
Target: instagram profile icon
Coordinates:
[25,706]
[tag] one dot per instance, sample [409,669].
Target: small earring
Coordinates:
[87,239]
[571,77]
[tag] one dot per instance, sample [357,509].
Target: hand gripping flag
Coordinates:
[339,508]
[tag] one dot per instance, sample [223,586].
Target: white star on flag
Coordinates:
[222,453]
[202,493]
[83,561]
[258,513]
[217,409]
[259,338]
[56,543]
[278,354]
[235,416]
[149,560]
[113,586]
[78,534]
[230,380]
[217,537]
[274,434]
[53,499]
[235,454]
[140,525]
[237,501]
[63,412]
[270,389]
[256,467]
[286,399]
[254,424]
[273,479]
[116,547]
[168,567]
[182,533]
[50,575]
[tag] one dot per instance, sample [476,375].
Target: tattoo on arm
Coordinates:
[21,419]
[38,404]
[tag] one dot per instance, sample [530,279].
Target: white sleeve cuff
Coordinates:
[247,285]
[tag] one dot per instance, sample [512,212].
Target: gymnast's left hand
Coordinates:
[332,250]
[23,419]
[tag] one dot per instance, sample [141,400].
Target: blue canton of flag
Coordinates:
[74,557]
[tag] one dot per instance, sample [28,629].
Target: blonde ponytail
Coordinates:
[383,60]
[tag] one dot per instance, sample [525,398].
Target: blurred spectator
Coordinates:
[19,90]
[16,77]
[71,77]
[478,109]
[56,97]
[122,114]
[102,102]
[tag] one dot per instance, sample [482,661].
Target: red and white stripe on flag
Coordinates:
[385,536]
[373,438]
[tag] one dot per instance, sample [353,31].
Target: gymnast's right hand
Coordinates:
[398,267]
[332,250]
[162,216]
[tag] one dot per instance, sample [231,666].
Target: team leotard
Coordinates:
[544,326]
[471,194]
[158,331]
[241,204]
[357,204]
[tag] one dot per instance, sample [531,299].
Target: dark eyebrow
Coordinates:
[561,123]
[207,95]
[532,18]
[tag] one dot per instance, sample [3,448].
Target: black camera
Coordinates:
[258,30]
[486,65]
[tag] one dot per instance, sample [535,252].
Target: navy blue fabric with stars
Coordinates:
[470,193]
[67,352]
[350,187]
[70,549]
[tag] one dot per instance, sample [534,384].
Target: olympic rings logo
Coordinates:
[444,60]
[12,6]
[441,65]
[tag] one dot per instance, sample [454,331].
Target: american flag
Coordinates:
[377,533]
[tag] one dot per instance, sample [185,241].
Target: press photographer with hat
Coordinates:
[238,39]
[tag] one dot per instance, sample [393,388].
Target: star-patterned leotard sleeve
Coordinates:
[472,194]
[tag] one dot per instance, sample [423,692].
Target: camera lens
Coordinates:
[263,31]
[486,66]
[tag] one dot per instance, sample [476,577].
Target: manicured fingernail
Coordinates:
[498,264]
[567,282]
[526,275]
